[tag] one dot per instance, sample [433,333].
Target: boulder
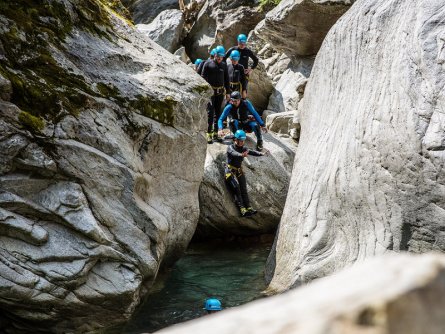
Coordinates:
[267,182]
[285,95]
[298,27]
[397,294]
[281,123]
[145,11]
[219,23]
[95,189]
[371,152]
[165,29]
[5,88]
[181,55]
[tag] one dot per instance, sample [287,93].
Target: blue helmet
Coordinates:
[198,61]
[240,135]
[220,51]
[213,52]
[212,304]
[235,55]
[242,38]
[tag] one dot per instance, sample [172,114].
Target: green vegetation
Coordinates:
[201,89]
[162,111]
[266,5]
[35,124]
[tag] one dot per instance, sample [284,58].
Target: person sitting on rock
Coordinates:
[216,74]
[239,110]
[234,175]
[237,76]
[245,55]
[212,305]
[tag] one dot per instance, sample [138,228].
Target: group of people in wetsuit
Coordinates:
[229,81]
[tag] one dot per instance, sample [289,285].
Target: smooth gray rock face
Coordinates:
[145,11]
[267,183]
[287,92]
[282,123]
[165,29]
[219,23]
[97,198]
[397,294]
[298,27]
[368,173]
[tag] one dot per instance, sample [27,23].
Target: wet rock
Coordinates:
[267,182]
[165,29]
[370,159]
[361,299]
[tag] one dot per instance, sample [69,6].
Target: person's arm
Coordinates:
[224,115]
[200,67]
[205,72]
[243,78]
[227,55]
[256,153]
[254,113]
[254,58]
[233,152]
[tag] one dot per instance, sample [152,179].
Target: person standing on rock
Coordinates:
[240,111]
[245,55]
[237,76]
[216,74]
[234,175]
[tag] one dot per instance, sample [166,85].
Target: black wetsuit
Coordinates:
[245,54]
[237,77]
[234,175]
[201,65]
[217,76]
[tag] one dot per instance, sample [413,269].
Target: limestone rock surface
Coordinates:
[267,183]
[165,29]
[95,192]
[368,175]
[219,23]
[298,27]
[145,11]
[397,294]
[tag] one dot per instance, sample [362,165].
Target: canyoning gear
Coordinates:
[251,210]
[259,145]
[237,77]
[217,76]
[209,138]
[245,55]
[220,51]
[244,212]
[234,176]
[235,95]
[212,304]
[235,55]
[213,52]
[240,135]
[217,138]
[242,38]
[198,61]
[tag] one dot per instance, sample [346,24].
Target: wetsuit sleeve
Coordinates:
[224,115]
[200,67]
[226,79]
[254,58]
[243,78]
[231,151]
[228,53]
[254,113]
[255,153]
[205,73]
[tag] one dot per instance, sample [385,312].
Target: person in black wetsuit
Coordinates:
[216,74]
[245,53]
[234,175]
[237,76]
[201,65]
[239,111]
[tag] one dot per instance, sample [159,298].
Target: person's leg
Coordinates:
[243,189]
[259,136]
[217,107]
[234,188]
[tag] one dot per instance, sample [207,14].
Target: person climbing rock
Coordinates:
[245,55]
[237,76]
[197,63]
[211,57]
[212,305]
[234,175]
[239,110]
[216,74]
